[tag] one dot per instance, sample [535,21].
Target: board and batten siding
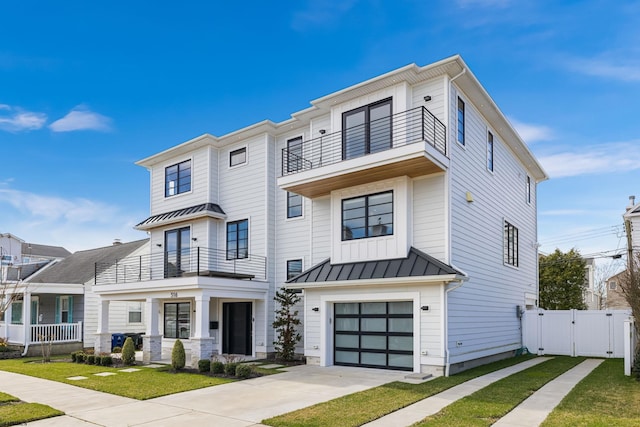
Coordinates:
[481,313]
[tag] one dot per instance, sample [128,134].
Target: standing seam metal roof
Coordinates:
[206,207]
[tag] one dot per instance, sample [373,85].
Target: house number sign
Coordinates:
[174,295]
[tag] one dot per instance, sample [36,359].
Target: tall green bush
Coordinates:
[286,324]
[177,356]
[128,352]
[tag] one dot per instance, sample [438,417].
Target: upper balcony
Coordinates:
[410,143]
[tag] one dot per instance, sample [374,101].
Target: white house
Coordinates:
[403,208]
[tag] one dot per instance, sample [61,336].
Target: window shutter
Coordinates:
[70,308]
[57,317]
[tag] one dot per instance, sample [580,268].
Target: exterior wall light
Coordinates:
[316,309]
[424,308]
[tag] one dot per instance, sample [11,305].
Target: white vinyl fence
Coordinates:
[591,333]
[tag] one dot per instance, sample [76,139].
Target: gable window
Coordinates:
[490,151]
[135,312]
[366,130]
[510,244]
[238,239]
[177,320]
[177,245]
[613,285]
[238,157]
[177,178]
[294,154]
[528,189]
[294,267]
[294,205]
[367,216]
[461,121]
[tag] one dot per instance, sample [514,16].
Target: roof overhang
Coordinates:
[205,210]
[424,280]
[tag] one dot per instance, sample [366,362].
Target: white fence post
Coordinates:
[629,346]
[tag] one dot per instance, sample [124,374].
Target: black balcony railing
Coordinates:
[409,127]
[182,263]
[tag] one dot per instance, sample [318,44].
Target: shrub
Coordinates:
[230,368]
[128,352]
[116,350]
[217,367]
[91,359]
[80,356]
[243,371]
[74,355]
[204,365]
[177,356]
[106,360]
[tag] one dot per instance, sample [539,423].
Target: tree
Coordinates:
[562,280]
[285,324]
[128,352]
[629,281]
[178,357]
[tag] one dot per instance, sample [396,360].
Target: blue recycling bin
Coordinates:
[117,340]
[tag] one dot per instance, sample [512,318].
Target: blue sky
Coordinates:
[87,89]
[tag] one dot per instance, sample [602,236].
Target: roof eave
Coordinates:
[436,279]
[198,215]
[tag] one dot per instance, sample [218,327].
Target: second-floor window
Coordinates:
[294,155]
[510,244]
[238,239]
[294,205]
[177,178]
[294,267]
[367,216]
[461,121]
[613,285]
[528,189]
[490,151]
[238,157]
[366,130]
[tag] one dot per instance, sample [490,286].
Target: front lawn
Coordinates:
[157,381]
[604,398]
[13,411]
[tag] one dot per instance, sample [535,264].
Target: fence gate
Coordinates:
[591,333]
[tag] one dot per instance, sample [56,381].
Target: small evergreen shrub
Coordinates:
[204,365]
[230,368]
[178,357]
[74,356]
[128,352]
[243,371]
[217,367]
[80,356]
[91,359]
[116,349]
[106,360]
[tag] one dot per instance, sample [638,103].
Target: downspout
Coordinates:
[447,365]
[26,319]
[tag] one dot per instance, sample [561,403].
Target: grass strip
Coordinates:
[13,411]
[365,406]
[486,406]
[156,382]
[606,397]
[5,398]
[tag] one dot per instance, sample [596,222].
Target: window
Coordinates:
[177,320]
[135,312]
[294,155]
[510,244]
[16,313]
[64,309]
[294,267]
[367,216]
[366,130]
[238,157]
[177,246]
[613,285]
[528,189]
[460,121]
[490,151]
[177,179]
[294,205]
[238,239]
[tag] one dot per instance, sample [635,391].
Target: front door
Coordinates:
[236,332]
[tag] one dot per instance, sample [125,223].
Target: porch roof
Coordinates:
[204,209]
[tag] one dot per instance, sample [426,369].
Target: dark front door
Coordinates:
[236,332]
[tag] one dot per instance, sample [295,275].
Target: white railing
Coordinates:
[56,333]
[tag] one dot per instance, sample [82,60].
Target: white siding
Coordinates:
[435,89]
[320,233]
[429,216]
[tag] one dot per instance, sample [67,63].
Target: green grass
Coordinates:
[604,398]
[486,406]
[157,382]
[359,408]
[13,412]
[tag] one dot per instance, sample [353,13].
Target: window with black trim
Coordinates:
[294,154]
[177,320]
[238,239]
[510,244]
[367,216]
[294,267]
[177,178]
[366,130]
[461,121]
[238,157]
[490,151]
[528,189]
[294,205]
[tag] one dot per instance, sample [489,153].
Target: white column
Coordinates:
[7,322]
[151,340]
[202,317]
[103,316]
[152,316]
[26,317]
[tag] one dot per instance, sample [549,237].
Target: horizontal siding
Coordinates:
[429,216]
[435,89]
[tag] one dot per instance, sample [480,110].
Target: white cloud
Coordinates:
[530,132]
[614,68]
[597,159]
[17,120]
[81,118]
[320,12]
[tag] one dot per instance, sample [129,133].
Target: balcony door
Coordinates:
[177,244]
[366,130]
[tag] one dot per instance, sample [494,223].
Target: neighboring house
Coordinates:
[63,308]
[593,297]
[403,208]
[615,297]
[10,249]
[14,250]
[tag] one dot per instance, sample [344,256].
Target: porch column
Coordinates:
[201,342]
[7,322]
[26,317]
[152,340]
[103,337]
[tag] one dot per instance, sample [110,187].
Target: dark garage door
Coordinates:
[374,334]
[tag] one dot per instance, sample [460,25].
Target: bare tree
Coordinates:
[602,272]
[630,288]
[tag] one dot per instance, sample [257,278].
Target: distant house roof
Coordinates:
[79,267]
[417,263]
[23,271]
[44,251]
[204,209]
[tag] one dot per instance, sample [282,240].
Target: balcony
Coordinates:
[410,143]
[183,263]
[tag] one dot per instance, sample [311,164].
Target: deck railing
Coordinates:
[56,333]
[408,127]
[183,263]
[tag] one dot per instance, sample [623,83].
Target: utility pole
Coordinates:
[627,227]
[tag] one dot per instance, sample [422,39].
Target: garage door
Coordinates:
[374,334]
